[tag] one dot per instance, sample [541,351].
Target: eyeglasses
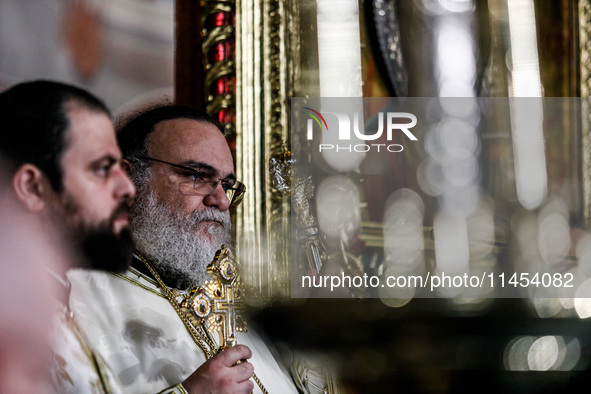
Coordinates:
[204,183]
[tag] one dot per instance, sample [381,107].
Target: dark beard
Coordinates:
[99,246]
[104,250]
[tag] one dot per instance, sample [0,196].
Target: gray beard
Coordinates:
[180,247]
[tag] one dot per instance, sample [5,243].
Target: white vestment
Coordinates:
[132,325]
[76,369]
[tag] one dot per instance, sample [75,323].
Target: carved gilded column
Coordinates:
[585,86]
[217,29]
[264,72]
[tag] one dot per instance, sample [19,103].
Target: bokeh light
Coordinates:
[542,353]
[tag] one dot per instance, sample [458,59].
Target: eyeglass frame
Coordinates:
[238,187]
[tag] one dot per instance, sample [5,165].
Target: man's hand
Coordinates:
[221,374]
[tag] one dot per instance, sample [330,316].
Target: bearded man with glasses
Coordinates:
[184,173]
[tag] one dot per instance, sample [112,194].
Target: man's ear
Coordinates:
[31,187]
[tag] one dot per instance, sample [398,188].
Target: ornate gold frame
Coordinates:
[264,85]
[584,49]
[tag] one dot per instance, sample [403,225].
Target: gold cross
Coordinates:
[226,308]
[218,303]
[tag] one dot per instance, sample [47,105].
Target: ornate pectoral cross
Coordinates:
[218,303]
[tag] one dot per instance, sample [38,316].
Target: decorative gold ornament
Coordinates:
[585,88]
[280,170]
[291,181]
[196,330]
[217,305]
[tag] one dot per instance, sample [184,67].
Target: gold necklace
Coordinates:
[196,330]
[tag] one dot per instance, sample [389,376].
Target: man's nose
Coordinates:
[124,187]
[217,198]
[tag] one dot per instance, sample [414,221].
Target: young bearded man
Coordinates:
[65,169]
[184,172]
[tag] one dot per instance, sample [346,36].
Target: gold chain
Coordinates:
[201,339]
